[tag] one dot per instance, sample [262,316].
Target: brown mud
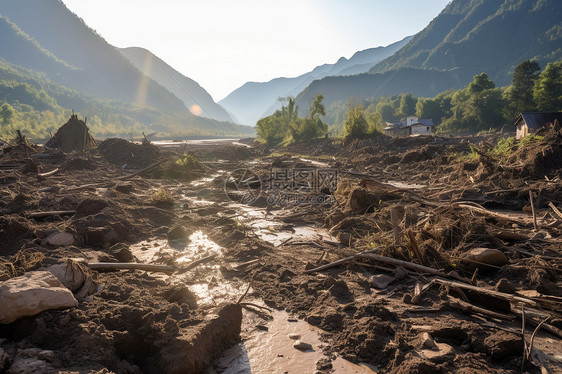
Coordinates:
[392,318]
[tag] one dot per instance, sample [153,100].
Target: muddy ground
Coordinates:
[397,319]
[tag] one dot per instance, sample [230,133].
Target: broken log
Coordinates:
[485,291]
[465,307]
[395,225]
[51,213]
[339,262]
[148,168]
[555,210]
[130,266]
[531,199]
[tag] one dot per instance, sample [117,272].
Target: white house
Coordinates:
[411,126]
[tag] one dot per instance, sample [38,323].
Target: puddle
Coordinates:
[272,351]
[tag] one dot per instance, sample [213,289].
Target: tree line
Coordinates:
[480,106]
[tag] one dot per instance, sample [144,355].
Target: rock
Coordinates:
[30,365]
[70,274]
[482,256]
[381,281]
[122,252]
[294,336]
[427,342]
[358,200]
[505,286]
[444,351]
[89,207]
[59,239]
[125,188]
[302,346]
[343,237]
[3,359]
[101,236]
[178,233]
[31,294]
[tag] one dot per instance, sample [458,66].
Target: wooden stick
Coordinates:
[48,174]
[395,225]
[130,266]
[556,211]
[191,265]
[488,212]
[501,295]
[339,262]
[51,213]
[531,199]
[148,168]
[469,308]
[414,246]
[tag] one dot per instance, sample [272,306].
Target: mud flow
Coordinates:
[389,255]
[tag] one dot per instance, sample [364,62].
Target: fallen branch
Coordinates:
[531,199]
[148,168]
[414,246]
[469,308]
[130,266]
[395,225]
[48,174]
[555,210]
[410,265]
[51,213]
[487,212]
[191,265]
[339,262]
[485,291]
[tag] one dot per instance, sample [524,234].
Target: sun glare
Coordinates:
[195,109]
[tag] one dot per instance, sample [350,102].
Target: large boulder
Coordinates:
[31,294]
[481,257]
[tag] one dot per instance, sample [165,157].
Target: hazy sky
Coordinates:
[222,44]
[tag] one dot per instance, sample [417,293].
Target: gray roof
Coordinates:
[536,120]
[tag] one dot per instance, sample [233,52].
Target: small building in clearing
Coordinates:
[529,122]
[410,126]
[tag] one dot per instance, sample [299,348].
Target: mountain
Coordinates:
[48,54]
[467,38]
[184,88]
[255,100]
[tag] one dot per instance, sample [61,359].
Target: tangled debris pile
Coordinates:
[439,250]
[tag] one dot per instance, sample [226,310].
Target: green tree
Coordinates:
[429,108]
[547,91]
[271,129]
[480,83]
[317,109]
[355,125]
[521,93]
[407,105]
[6,113]
[386,110]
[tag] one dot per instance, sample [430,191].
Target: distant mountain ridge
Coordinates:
[255,100]
[467,38]
[44,40]
[184,88]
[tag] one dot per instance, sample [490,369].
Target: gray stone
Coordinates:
[381,281]
[32,293]
[59,239]
[302,346]
[294,336]
[70,274]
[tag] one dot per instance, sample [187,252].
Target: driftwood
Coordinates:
[485,291]
[410,265]
[148,168]
[395,225]
[555,210]
[48,174]
[339,262]
[191,265]
[130,266]
[465,307]
[531,199]
[51,213]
